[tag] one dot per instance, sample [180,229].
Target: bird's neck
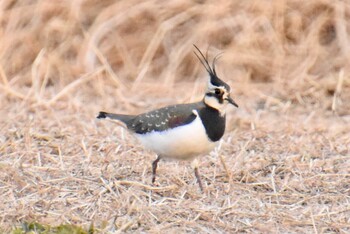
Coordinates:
[214,122]
[214,104]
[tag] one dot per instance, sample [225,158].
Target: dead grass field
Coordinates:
[282,167]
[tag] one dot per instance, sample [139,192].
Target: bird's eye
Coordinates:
[218,91]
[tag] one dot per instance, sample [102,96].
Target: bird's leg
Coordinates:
[154,168]
[196,173]
[198,178]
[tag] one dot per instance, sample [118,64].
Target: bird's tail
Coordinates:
[123,118]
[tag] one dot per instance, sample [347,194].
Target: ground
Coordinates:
[283,165]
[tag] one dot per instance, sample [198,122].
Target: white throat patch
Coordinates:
[214,103]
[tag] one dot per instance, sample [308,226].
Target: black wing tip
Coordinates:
[102,115]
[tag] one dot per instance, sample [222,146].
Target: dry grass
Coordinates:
[286,150]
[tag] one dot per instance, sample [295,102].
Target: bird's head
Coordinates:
[217,95]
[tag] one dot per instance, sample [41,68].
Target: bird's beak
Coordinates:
[230,100]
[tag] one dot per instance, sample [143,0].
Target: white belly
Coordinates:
[182,142]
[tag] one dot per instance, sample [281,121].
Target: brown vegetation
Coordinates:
[283,165]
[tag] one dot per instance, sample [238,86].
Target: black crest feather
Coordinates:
[214,79]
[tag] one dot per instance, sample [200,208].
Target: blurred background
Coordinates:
[301,47]
[287,62]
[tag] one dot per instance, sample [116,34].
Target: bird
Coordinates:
[183,131]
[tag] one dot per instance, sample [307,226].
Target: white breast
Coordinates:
[181,142]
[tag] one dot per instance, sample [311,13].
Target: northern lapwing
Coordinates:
[183,131]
